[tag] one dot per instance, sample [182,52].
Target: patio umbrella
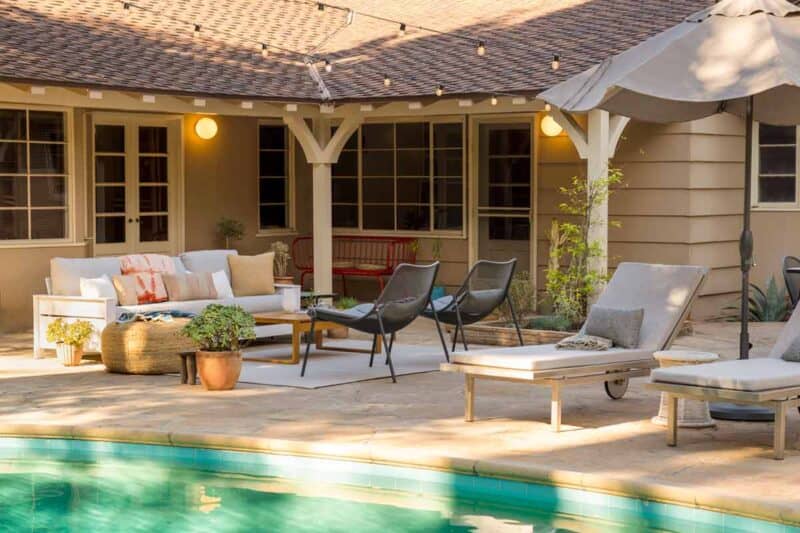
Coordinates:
[737,56]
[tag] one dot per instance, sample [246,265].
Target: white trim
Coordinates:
[755,151]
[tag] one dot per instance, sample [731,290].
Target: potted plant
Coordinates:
[436,252]
[70,339]
[231,230]
[345,302]
[219,331]
[281,262]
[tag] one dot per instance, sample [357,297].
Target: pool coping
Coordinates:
[369,453]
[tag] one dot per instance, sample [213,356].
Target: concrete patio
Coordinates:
[421,416]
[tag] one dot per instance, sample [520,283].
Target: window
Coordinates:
[776,165]
[404,176]
[273,177]
[33,175]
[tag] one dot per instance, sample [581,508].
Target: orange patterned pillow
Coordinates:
[140,288]
[149,263]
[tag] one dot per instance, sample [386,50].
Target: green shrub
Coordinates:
[346,302]
[220,328]
[771,305]
[550,323]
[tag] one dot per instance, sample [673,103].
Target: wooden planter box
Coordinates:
[498,334]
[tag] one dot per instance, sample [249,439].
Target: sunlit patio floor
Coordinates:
[422,414]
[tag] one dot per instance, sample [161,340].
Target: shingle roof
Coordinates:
[99,44]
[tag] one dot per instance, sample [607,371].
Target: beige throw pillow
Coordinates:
[252,275]
[194,286]
[140,288]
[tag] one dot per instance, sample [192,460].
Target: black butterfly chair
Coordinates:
[406,294]
[484,289]
[792,279]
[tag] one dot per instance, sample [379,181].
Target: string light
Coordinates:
[494,100]
[402,31]
[387,81]
[556,62]
[196,32]
[481,48]
[547,107]
[320,6]
[439,90]
[328,66]
[264,50]
[126,6]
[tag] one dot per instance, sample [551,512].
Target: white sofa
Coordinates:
[64,300]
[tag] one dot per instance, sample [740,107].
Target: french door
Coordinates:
[135,162]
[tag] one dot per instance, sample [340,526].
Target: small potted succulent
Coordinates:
[345,302]
[281,263]
[70,339]
[219,331]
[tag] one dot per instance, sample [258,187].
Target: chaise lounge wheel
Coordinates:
[616,389]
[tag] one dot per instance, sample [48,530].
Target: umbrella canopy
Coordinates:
[738,56]
[710,62]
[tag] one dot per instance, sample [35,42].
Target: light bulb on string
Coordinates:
[439,90]
[328,66]
[387,81]
[264,50]
[556,63]
[402,30]
[196,32]
[126,7]
[481,48]
[320,6]
[494,100]
[547,107]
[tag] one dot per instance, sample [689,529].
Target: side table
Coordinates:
[691,413]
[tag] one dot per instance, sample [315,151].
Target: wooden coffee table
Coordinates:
[301,323]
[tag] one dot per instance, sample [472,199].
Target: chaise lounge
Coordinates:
[664,292]
[767,381]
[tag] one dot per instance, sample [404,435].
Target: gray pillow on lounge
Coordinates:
[792,352]
[620,325]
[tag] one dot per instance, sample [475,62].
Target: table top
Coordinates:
[685,356]
[281,317]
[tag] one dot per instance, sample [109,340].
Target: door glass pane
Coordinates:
[47,126]
[510,141]
[13,191]
[154,228]
[447,163]
[447,136]
[271,164]
[447,190]
[345,216]
[110,199]
[776,189]
[153,169]
[13,224]
[345,190]
[509,196]
[109,169]
[413,217]
[48,191]
[13,159]
[109,139]
[48,223]
[378,190]
[377,136]
[413,190]
[347,165]
[109,230]
[152,140]
[412,135]
[271,137]
[777,160]
[12,124]
[272,191]
[153,199]
[378,162]
[47,158]
[378,217]
[272,216]
[413,162]
[510,170]
[768,134]
[448,218]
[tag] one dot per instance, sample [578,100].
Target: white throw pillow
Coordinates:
[101,287]
[222,285]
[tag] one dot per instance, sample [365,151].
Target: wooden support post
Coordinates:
[555,406]
[779,437]
[469,398]
[672,420]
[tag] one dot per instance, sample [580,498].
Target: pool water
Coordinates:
[61,485]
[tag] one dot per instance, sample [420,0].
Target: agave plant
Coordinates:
[771,305]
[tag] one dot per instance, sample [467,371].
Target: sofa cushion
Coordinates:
[191,286]
[750,375]
[208,261]
[222,284]
[265,303]
[252,275]
[546,357]
[101,287]
[147,263]
[66,273]
[191,306]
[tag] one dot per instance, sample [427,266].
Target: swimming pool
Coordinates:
[75,485]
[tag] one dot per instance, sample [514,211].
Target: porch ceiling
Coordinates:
[98,44]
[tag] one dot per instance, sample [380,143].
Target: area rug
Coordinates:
[329,368]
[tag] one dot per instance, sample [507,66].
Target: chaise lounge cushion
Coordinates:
[547,357]
[749,375]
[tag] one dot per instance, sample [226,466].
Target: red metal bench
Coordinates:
[357,256]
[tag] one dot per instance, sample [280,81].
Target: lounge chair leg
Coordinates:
[672,420]
[455,339]
[555,407]
[514,317]
[374,346]
[469,398]
[461,327]
[308,346]
[391,345]
[439,330]
[779,437]
[387,348]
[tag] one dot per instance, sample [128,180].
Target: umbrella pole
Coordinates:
[730,411]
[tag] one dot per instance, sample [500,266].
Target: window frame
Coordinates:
[432,231]
[755,151]
[291,228]
[69,177]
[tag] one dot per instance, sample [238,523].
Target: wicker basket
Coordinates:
[145,347]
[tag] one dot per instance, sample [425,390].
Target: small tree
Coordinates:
[569,287]
[230,229]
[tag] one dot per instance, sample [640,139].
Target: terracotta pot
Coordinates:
[284,280]
[219,370]
[338,333]
[69,355]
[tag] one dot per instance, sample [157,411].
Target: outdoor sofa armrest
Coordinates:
[291,296]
